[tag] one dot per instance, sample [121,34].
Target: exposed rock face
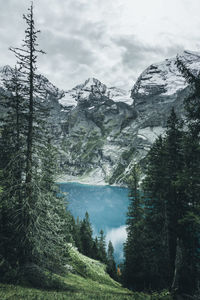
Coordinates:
[100,131]
[93,129]
[162,86]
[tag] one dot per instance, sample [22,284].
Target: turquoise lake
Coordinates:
[107,208]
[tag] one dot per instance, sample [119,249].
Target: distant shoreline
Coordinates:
[87,179]
[81,179]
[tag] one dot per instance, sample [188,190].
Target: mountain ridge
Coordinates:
[102,134]
[93,86]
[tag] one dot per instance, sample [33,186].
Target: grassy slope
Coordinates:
[86,280]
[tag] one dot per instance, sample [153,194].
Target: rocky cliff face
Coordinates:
[101,131]
[92,137]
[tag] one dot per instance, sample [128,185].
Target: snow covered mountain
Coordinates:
[94,87]
[42,81]
[100,132]
[111,138]
[162,82]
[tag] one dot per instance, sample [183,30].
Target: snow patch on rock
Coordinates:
[93,86]
[150,134]
[164,78]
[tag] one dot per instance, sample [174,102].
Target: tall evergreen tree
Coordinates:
[33,217]
[27,61]
[55,231]
[134,247]
[163,204]
[73,235]
[95,249]
[12,162]
[111,265]
[155,217]
[76,235]
[102,247]
[173,202]
[86,236]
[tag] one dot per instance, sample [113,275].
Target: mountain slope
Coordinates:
[106,137]
[162,84]
[100,132]
[86,279]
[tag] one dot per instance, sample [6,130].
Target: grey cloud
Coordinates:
[93,31]
[74,23]
[136,54]
[68,48]
[81,41]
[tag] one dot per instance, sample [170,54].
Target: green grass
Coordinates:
[86,280]
[79,289]
[89,268]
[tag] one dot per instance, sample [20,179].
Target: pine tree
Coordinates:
[154,227]
[111,265]
[86,236]
[173,202]
[133,275]
[73,234]
[33,215]
[95,249]
[55,231]
[76,235]
[102,247]
[12,162]
[163,202]
[27,61]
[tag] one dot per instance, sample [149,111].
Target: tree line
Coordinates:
[163,220]
[93,247]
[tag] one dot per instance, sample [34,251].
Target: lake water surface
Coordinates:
[107,208]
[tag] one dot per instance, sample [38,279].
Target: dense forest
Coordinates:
[162,250]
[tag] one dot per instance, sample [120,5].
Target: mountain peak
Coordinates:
[90,84]
[92,81]
[95,88]
[164,79]
[42,81]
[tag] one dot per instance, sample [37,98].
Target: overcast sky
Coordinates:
[111,40]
